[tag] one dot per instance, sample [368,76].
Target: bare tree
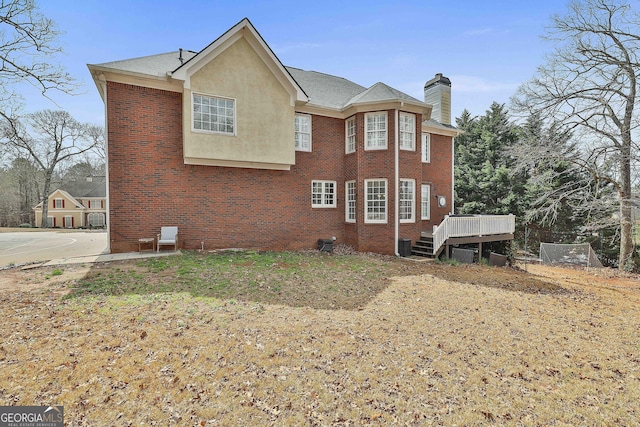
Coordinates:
[589,86]
[49,138]
[27,46]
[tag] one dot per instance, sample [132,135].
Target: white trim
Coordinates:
[65,218]
[385,130]
[324,193]
[348,201]
[309,117]
[347,135]
[413,201]
[216,97]
[386,201]
[453,178]
[425,214]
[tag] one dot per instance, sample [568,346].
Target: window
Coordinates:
[303,132]
[376,201]
[213,114]
[95,204]
[96,219]
[426,148]
[407,131]
[68,222]
[350,191]
[51,221]
[323,194]
[407,200]
[376,131]
[426,201]
[350,132]
[58,203]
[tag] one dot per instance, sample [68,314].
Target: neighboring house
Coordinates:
[86,210]
[238,150]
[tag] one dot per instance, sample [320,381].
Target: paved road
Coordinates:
[33,246]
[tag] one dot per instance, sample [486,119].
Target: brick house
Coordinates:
[238,150]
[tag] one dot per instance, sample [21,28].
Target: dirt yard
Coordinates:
[436,345]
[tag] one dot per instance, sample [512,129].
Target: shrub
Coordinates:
[25,225]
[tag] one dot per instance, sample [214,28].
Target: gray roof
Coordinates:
[83,188]
[323,90]
[326,90]
[153,65]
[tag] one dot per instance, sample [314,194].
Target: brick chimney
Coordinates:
[437,92]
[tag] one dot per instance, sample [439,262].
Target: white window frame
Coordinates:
[407,131]
[426,148]
[206,111]
[95,204]
[374,211]
[407,200]
[326,196]
[301,130]
[350,209]
[375,127]
[57,202]
[68,221]
[91,219]
[50,222]
[425,202]
[350,135]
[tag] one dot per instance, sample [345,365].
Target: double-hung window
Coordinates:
[323,194]
[350,132]
[376,131]
[350,209]
[58,204]
[426,202]
[407,200]
[375,201]
[407,131]
[303,132]
[214,114]
[426,148]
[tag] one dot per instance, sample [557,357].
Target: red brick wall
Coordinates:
[150,186]
[438,173]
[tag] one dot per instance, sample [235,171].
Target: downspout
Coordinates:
[103,83]
[453,175]
[397,183]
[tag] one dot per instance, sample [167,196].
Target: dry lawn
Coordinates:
[433,345]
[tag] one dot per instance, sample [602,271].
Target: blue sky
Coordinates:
[486,48]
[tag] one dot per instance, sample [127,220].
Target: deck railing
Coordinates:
[472,225]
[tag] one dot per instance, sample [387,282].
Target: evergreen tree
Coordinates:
[484,180]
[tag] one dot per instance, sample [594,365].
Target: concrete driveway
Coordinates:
[23,247]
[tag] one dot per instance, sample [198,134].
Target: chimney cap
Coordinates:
[439,79]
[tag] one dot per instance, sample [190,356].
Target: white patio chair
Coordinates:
[168,237]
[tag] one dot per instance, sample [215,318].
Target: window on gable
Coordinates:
[426,202]
[376,131]
[58,204]
[323,194]
[350,132]
[407,131]
[407,200]
[426,148]
[303,132]
[213,114]
[376,201]
[350,209]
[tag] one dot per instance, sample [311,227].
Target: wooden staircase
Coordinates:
[424,247]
